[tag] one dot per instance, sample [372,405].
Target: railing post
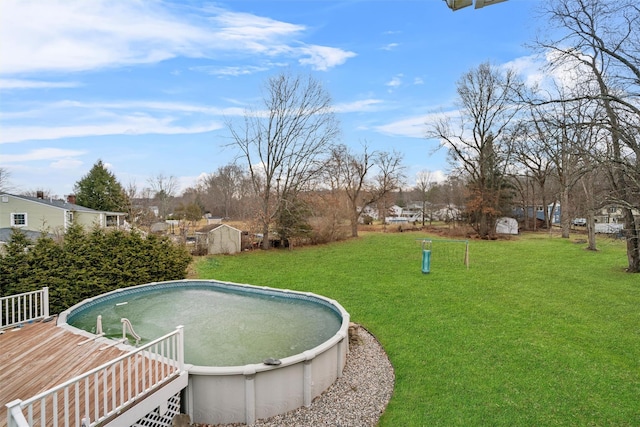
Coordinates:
[45,301]
[180,329]
[105,380]
[15,417]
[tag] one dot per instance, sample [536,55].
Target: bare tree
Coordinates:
[164,188]
[224,190]
[389,178]
[480,146]
[564,135]
[351,172]
[533,171]
[602,36]
[5,175]
[135,212]
[284,144]
[424,183]
[449,197]
[595,190]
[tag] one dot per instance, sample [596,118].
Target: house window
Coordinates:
[18,219]
[112,221]
[69,217]
[613,209]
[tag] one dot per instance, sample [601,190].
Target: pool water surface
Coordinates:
[221,327]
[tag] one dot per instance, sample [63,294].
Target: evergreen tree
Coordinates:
[14,265]
[100,190]
[48,267]
[86,264]
[292,219]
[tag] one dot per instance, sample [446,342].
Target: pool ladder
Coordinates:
[126,324]
[99,333]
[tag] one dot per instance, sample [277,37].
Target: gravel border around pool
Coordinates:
[356,399]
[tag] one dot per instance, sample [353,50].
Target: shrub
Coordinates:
[84,264]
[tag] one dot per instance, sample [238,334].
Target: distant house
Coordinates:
[610,219]
[219,239]
[369,211]
[212,219]
[40,214]
[611,214]
[538,212]
[400,215]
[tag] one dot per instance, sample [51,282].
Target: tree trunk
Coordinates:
[534,211]
[265,237]
[354,224]
[266,220]
[633,248]
[565,218]
[591,230]
[588,193]
[483,225]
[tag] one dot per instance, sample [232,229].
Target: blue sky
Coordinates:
[146,85]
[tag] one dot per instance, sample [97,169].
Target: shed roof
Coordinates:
[211,227]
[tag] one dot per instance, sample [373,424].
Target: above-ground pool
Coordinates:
[231,330]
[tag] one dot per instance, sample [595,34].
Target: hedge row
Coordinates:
[83,263]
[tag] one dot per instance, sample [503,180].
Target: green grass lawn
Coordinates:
[537,332]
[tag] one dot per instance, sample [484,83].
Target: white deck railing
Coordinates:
[105,391]
[20,308]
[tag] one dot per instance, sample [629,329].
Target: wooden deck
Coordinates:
[40,356]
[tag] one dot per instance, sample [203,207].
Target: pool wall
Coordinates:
[243,394]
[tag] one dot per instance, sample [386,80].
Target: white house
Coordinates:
[40,214]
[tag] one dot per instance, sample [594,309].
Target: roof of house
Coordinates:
[63,204]
[210,227]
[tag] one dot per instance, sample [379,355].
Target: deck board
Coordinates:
[40,356]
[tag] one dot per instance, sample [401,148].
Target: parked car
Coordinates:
[579,221]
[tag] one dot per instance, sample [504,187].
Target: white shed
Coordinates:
[506,225]
[220,239]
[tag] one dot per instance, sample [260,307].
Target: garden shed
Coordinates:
[219,239]
[506,225]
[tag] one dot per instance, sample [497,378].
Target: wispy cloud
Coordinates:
[231,70]
[253,32]
[176,107]
[41,154]
[76,35]
[70,118]
[395,81]
[390,46]
[529,67]
[66,164]
[535,70]
[413,127]
[8,84]
[127,125]
[322,58]
[359,106]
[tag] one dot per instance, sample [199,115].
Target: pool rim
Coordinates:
[246,369]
